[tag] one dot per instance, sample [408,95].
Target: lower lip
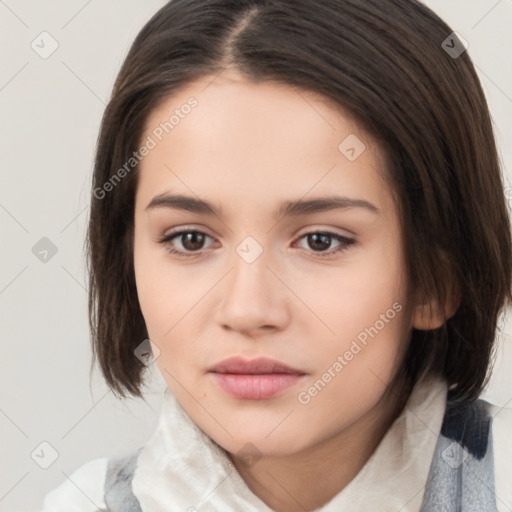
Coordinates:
[255,387]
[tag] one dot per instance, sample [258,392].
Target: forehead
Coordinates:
[259,139]
[260,110]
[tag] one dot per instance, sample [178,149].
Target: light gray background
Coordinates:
[50,111]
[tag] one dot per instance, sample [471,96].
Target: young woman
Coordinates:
[298,214]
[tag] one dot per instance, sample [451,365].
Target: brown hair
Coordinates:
[385,62]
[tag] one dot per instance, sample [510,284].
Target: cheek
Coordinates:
[152,288]
[352,297]
[364,304]
[169,297]
[165,291]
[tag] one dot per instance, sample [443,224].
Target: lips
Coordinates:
[262,365]
[256,379]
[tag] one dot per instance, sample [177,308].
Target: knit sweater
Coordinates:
[435,457]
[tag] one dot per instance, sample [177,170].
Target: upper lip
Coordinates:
[261,365]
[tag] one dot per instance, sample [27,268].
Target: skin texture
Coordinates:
[247,148]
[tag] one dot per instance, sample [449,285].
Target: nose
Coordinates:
[253,297]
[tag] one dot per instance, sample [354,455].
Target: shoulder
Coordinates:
[100,485]
[82,491]
[473,459]
[469,424]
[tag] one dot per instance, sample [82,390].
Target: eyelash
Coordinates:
[345,242]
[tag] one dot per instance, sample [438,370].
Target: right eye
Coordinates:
[190,240]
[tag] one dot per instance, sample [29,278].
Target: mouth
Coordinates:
[255,379]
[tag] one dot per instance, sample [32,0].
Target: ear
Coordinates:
[428,315]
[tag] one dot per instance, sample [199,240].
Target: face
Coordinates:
[296,258]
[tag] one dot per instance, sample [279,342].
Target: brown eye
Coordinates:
[192,241]
[319,241]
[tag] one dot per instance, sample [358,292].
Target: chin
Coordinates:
[257,443]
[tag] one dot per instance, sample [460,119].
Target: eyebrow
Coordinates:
[287,209]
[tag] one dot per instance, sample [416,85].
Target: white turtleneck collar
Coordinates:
[181,469]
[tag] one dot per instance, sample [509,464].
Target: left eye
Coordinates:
[193,240]
[321,239]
